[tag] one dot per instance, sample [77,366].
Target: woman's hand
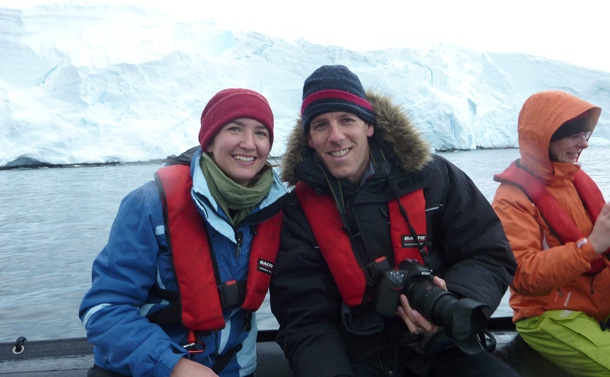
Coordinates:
[416,323]
[188,368]
[600,235]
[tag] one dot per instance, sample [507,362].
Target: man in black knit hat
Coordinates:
[375,222]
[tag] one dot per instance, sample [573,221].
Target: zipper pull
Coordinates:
[240,237]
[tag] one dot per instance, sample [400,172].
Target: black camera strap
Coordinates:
[403,212]
[384,172]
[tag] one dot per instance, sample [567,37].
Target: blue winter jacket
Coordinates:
[135,259]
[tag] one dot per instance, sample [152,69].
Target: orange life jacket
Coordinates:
[555,216]
[328,229]
[201,295]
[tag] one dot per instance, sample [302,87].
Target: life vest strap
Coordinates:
[231,294]
[165,294]
[223,360]
[166,316]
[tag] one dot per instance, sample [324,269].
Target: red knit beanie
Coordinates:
[230,104]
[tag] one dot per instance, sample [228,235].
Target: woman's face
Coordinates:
[568,149]
[240,149]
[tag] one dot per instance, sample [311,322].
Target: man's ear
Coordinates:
[310,142]
[370,129]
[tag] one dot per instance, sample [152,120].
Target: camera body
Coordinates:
[462,318]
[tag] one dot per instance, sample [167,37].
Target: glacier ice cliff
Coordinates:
[106,83]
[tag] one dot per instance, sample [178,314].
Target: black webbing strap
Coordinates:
[231,294]
[166,294]
[169,314]
[223,360]
[166,316]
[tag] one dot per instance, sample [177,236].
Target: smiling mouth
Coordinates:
[243,158]
[340,153]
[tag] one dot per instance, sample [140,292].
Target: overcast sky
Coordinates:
[575,31]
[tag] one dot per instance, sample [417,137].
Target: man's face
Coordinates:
[568,149]
[341,141]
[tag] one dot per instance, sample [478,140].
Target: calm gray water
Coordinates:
[53,222]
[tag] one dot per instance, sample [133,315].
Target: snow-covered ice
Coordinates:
[94,83]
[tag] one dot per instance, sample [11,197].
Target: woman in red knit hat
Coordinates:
[190,254]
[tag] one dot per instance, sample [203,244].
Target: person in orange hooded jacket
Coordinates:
[558,225]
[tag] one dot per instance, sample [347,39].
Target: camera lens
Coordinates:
[462,318]
[431,301]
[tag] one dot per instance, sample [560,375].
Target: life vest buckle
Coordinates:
[373,269]
[247,321]
[194,345]
[232,293]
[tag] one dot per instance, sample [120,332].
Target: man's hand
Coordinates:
[600,235]
[413,319]
[188,368]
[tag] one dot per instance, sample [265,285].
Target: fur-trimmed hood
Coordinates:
[393,128]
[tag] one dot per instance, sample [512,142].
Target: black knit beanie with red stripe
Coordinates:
[334,88]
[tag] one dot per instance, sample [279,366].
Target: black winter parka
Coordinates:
[467,246]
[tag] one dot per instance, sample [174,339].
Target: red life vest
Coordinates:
[194,264]
[327,226]
[555,216]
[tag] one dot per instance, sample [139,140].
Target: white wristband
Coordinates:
[582,242]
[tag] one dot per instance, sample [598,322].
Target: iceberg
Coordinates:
[89,83]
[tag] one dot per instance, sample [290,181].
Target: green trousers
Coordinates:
[570,339]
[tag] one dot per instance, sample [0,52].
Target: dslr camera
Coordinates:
[462,318]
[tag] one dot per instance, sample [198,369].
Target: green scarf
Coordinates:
[235,200]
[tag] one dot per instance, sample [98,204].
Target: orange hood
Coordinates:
[541,115]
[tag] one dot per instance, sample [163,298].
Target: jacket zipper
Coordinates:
[240,238]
